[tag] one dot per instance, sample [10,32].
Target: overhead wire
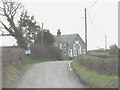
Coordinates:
[92,4]
[91,20]
[94,26]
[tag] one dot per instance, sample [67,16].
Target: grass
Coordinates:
[12,74]
[97,53]
[39,61]
[94,79]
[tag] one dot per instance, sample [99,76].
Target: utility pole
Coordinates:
[42,36]
[85,31]
[106,42]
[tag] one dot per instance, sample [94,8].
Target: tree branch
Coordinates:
[2,14]
[8,29]
[15,10]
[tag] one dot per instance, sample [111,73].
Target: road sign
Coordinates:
[28,45]
[76,42]
[27,52]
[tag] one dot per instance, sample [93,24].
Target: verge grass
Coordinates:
[39,61]
[97,53]
[94,79]
[12,74]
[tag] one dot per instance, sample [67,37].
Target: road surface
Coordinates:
[49,75]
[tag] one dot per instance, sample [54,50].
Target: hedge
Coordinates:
[105,66]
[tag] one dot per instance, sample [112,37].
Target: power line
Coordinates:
[94,26]
[92,4]
[91,20]
[97,32]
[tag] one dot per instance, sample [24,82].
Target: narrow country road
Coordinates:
[49,75]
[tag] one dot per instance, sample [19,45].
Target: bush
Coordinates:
[13,59]
[93,79]
[45,52]
[113,50]
[107,66]
[13,56]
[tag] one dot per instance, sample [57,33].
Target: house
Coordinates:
[70,44]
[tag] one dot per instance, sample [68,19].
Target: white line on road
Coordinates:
[70,65]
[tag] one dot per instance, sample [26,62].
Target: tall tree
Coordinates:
[8,10]
[29,27]
[48,38]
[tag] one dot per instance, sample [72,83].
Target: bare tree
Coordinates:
[8,11]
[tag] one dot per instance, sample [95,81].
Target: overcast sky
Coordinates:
[68,16]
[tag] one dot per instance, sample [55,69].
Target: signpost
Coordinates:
[28,52]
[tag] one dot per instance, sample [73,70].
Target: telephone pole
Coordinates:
[106,42]
[85,31]
[42,36]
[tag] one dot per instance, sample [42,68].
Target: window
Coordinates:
[56,44]
[64,45]
[60,45]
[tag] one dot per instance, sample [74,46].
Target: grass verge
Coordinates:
[12,74]
[38,61]
[93,79]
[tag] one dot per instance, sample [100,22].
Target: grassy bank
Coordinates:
[39,61]
[12,74]
[94,79]
[106,66]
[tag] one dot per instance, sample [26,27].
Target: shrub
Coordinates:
[13,59]
[107,66]
[113,50]
[45,52]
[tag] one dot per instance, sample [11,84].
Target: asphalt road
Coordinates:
[49,75]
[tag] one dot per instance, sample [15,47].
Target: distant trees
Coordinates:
[48,50]
[48,38]
[113,50]
[45,52]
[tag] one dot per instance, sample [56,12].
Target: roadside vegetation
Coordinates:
[39,61]
[99,68]
[13,63]
[94,79]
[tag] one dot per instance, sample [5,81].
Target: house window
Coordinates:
[64,45]
[65,53]
[60,45]
[55,44]
[70,52]
[77,42]
[83,51]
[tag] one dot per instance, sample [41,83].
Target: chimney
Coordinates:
[58,33]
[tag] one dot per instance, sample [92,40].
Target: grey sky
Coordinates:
[67,15]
